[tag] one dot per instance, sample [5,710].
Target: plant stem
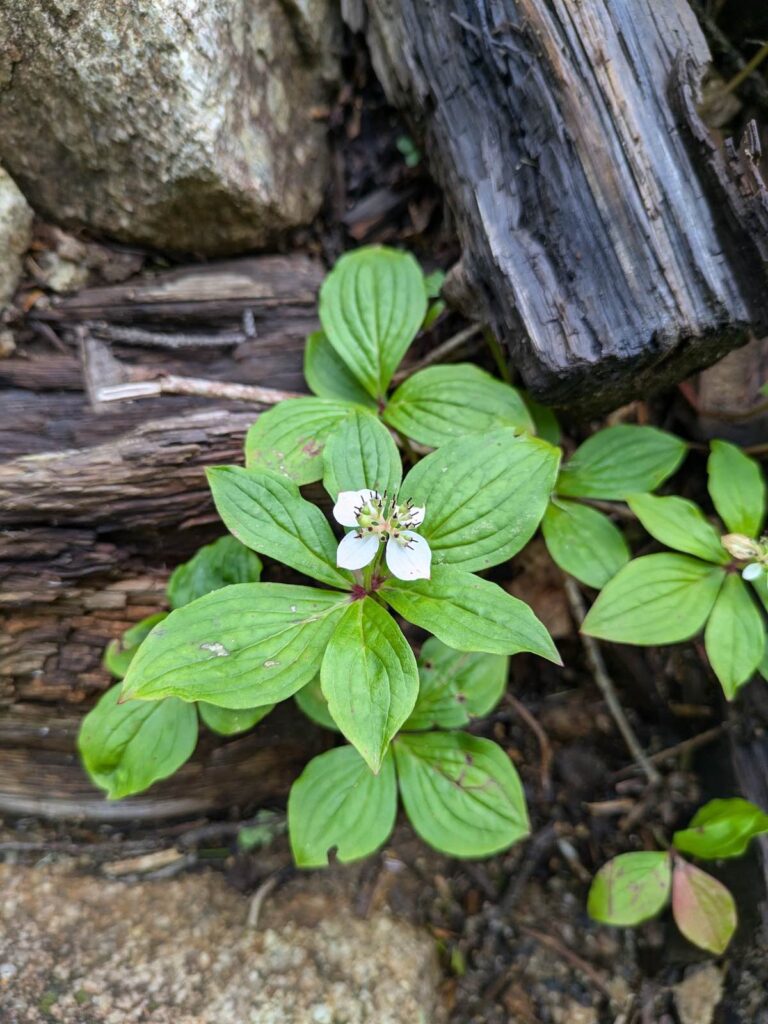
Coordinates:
[498,355]
[605,683]
[747,70]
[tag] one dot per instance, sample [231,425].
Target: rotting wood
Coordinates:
[96,508]
[608,242]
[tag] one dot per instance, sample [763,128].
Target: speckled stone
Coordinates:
[187,125]
[15,227]
[84,950]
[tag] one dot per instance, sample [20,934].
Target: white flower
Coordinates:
[377,519]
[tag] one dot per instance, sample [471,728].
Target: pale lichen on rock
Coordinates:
[181,124]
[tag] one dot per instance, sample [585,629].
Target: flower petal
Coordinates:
[411,562]
[752,572]
[347,503]
[416,518]
[355,551]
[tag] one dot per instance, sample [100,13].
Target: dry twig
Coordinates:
[605,683]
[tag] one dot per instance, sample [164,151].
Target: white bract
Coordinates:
[378,519]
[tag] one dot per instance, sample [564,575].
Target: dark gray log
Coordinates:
[607,241]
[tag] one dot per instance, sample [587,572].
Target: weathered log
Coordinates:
[96,507]
[605,238]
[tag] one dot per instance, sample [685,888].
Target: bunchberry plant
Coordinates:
[634,887]
[408,548]
[715,580]
[412,551]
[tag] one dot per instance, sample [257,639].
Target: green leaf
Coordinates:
[461,793]
[470,614]
[230,721]
[327,375]
[619,461]
[456,686]
[722,828]
[484,496]
[213,566]
[544,420]
[361,453]
[584,542]
[737,488]
[680,524]
[735,636]
[314,705]
[369,678]
[338,804]
[434,312]
[703,908]
[119,653]
[433,283]
[266,512]
[441,403]
[372,304]
[656,599]
[127,747]
[630,889]
[243,646]
[289,439]
[760,587]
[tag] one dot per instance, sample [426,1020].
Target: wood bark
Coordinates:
[96,508]
[608,241]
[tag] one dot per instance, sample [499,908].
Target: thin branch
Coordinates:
[545,747]
[174,385]
[572,958]
[605,683]
[439,354]
[259,897]
[162,339]
[685,747]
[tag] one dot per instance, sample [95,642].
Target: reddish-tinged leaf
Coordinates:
[703,908]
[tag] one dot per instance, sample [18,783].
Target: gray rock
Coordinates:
[179,124]
[75,948]
[15,233]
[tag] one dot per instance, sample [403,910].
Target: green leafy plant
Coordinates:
[236,645]
[337,805]
[634,887]
[372,305]
[611,465]
[705,584]
[407,552]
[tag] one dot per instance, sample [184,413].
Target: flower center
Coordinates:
[386,517]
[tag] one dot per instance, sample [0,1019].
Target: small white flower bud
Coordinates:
[741,546]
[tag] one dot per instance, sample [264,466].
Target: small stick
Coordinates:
[612,508]
[173,385]
[437,355]
[685,747]
[161,339]
[545,747]
[254,910]
[570,957]
[605,683]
